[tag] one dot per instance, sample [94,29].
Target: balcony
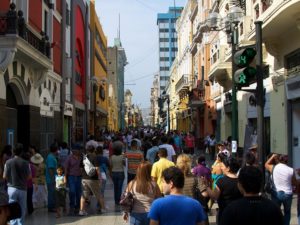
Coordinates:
[196,96]
[183,84]
[278,18]
[18,41]
[220,70]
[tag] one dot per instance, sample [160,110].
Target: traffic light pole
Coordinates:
[260,96]
[234,103]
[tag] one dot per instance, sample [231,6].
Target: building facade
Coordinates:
[167,43]
[30,72]
[212,65]
[98,83]
[154,95]
[117,61]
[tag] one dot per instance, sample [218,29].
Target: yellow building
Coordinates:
[98,82]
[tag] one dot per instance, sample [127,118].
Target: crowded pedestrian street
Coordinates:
[149,112]
[113,216]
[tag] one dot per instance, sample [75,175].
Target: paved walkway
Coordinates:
[112,217]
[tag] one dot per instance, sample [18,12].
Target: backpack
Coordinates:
[88,166]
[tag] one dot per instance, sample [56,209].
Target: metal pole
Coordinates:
[168,102]
[63,70]
[260,95]
[95,108]
[234,103]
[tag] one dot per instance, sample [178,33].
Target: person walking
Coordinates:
[51,166]
[91,183]
[170,150]
[117,162]
[175,208]
[39,197]
[252,208]
[16,173]
[144,192]
[191,182]
[158,167]
[134,158]
[284,180]
[226,189]
[189,141]
[73,173]
[60,191]
[152,152]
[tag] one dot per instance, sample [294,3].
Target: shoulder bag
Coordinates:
[126,201]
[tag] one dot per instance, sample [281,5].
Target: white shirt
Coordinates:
[282,177]
[170,151]
[91,143]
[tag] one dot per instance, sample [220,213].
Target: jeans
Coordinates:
[279,198]
[74,183]
[139,219]
[51,196]
[20,196]
[118,179]
[29,200]
[102,188]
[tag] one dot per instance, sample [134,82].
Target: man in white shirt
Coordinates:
[171,152]
[91,142]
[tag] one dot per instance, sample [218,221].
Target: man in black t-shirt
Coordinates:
[252,208]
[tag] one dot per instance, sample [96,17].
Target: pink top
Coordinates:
[189,141]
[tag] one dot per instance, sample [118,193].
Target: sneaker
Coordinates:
[82,213]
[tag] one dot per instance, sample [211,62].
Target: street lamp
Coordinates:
[167,97]
[230,22]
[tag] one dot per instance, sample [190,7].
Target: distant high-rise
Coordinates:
[167,43]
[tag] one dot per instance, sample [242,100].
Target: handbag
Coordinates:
[126,201]
[198,196]
[269,184]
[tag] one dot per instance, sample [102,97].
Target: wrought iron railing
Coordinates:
[13,22]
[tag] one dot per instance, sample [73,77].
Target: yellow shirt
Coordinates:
[158,168]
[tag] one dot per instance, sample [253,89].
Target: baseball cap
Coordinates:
[13,208]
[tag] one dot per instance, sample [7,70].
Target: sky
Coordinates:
[139,37]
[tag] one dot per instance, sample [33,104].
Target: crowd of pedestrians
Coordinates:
[169,178]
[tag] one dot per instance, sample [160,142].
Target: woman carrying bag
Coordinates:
[144,191]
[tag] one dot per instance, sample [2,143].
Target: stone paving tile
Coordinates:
[112,217]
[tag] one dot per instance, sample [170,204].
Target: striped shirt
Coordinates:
[134,159]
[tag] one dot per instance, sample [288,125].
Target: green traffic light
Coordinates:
[244,57]
[244,76]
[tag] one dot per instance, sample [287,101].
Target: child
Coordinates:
[60,191]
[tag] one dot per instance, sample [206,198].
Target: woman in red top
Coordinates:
[190,142]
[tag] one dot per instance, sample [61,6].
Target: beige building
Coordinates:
[154,109]
[206,54]
[183,80]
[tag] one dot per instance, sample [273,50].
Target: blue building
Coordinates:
[166,23]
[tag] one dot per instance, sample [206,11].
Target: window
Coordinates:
[46,22]
[68,15]
[164,40]
[256,10]
[164,68]
[292,61]
[163,49]
[162,30]
[100,42]
[164,59]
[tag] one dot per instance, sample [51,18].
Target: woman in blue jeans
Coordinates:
[284,180]
[117,163]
